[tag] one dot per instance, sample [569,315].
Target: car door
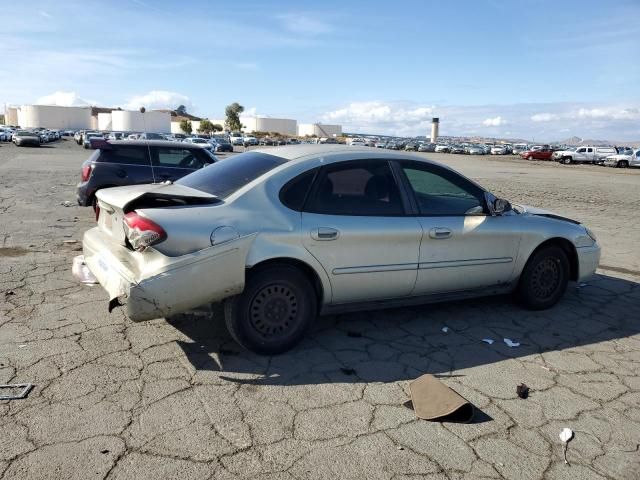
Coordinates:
[355,224]
[634,160]
[173,162]
[463,247]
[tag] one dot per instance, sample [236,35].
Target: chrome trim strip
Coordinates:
[375,268]
[464,263]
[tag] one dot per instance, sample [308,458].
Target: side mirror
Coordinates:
[500,206]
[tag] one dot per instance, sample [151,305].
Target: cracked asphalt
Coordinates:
[177,398]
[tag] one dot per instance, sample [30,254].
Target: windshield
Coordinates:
[228,176]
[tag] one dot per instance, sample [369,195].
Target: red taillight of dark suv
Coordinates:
[86,172]
[142,232]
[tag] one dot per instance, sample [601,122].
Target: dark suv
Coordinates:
[128,162]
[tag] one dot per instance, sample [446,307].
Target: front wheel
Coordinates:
[273,312]
[566,160]
[623,164]
[544,279]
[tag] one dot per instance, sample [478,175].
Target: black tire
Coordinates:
[566,160]
[544,279]
[273,312]
[623,164]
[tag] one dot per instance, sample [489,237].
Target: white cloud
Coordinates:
[305,24]
[64,99]
[609,113]
[159,99]
[45,14]
[544,117]
[494,122]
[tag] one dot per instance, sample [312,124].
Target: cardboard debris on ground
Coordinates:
[23,391]
[433,400]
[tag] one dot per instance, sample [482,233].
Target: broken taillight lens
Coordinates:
[86,172]
[142,232]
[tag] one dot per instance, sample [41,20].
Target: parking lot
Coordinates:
[177,398]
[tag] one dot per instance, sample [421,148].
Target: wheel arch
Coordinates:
[322,294]
[568,248]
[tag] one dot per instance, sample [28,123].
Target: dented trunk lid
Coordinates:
[116,202]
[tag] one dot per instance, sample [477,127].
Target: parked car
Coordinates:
[128,162]
[587,154]
[196,141]
[5,135]
[629,158]
[236,139]
[456,149]
[411,147]
[249,140]
[442,148]
[380,144]
[24,137]
[115,136]
[280,235]
[519,148]
[427,147]
[221,145]
[358,142]
[86,143]
[475,150]
[539,152]
[498,150]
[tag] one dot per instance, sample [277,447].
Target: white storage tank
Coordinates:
[49,116]
[283,126]
[104,121]
[319,130]
[128,121]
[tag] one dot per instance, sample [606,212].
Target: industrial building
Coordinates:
[319,130]
[49,116]
[283,126]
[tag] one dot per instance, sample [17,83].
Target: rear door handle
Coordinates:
[324,233]
[440,233]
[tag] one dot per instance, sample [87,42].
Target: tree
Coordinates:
[186,127]
[232,114]
[207,127]
[181,110]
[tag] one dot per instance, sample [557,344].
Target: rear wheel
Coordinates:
[273,312]
[544,278]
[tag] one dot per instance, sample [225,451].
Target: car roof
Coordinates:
[154,143]
[303,152]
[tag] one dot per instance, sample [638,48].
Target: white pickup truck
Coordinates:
[627,158]
[584,155]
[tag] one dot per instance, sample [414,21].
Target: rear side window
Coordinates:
[294,193]
[178,158]
[128,155]
[227,176]
[359,188]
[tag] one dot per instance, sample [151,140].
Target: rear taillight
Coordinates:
[86,172]
[142,232]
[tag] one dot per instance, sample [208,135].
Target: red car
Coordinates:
[541,153]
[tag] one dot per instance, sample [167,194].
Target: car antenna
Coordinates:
[146,139]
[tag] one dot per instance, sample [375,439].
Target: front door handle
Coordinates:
[324,233]
[440,233]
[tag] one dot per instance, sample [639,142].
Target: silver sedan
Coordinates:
[281,235]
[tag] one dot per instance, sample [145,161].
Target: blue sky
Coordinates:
[531,69]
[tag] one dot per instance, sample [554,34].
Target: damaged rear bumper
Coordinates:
[152,285]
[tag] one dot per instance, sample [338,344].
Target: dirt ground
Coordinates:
[178,398]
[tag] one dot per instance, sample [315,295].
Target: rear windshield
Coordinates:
[228,176]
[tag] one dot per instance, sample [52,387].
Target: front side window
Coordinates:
[439,192]
[359,188]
